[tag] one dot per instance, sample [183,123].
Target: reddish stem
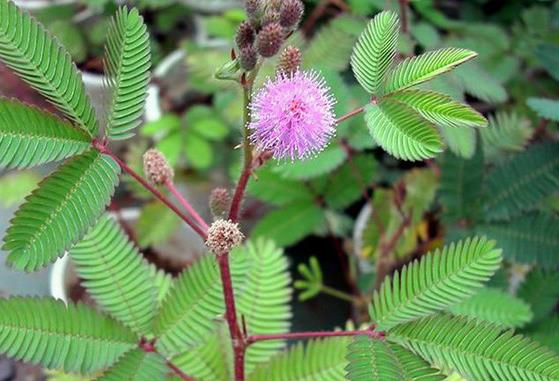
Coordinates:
[184,202]
[350,114]
[103,149]
[231,316]
[183,376]
[317,334]
[404,15]
[234,212]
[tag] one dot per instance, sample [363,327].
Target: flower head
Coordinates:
[156,167]
[292,115]
[223,235]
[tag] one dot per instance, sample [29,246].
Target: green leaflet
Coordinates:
[541,290]
[530,238]
[372,360]
[522,182]
[137,365]
[440,109]
[477,350]
[459,189]
[329,159]
[507,132]
[415,368]
[74,338]
[270,187]
[546,332]
[40,61]
[319,360]
[495,306]
[484,87]
[59,212]
[460,141]
[435,282]
[31,137]
[545,108]
[401,131]
[415,70]
[374,51]
[128,59]
[115,274]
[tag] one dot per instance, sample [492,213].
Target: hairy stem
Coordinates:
[311,335]
[185,204]
[103,149]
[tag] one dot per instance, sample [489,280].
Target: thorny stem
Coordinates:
[317,334]
[185,204]
[101,147]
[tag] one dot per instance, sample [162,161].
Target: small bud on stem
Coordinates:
[156,167]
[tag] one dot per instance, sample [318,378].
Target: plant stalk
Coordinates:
[311,335]
[186,205]
[350,114]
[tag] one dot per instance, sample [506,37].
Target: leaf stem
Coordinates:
[338,294]
[350,114]
[105,150]
[316,334]
[178,371]
[185,204]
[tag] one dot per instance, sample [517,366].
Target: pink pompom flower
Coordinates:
[292,115]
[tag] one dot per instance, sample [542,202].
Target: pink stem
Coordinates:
[239,193]
[349,115]
[103,149]
[183,376]
[180,198]
[310,335]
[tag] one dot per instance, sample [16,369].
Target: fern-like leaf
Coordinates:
[115,274]
[440,109]
[541,290]
[137,365]
[372,360]
[40,61]
[320,360]
[531,238]
[495,306]
[435,282]
[415,70]
[477,350]
[402,132]
[545,108]
[521,183]
[127,59]
[30,137]
[484,87]
[374,51]
[74,338]
[415,368]
[58,213]
[507,133]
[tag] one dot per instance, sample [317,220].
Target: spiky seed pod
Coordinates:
[220,201]
[253,10]
[156,167]
[291,13]
[245,35]
[248,58]
[269,40]
[290,60]
[223,235]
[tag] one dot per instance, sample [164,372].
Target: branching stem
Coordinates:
[185,204]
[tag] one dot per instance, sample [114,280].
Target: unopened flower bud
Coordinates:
[271,16]
[220,201]
[290,60]
[223,236]
[245,35]
[248,58]
[270,39]
[253,9]
[291,13]
[156,167]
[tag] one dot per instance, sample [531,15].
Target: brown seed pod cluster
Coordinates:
[268,25]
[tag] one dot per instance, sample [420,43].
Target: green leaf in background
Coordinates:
[204,121]
[289,224]
[150,233]
[437,281]
[548,55]
[546,332]
[71,37]
[426,35]
[401,131]
[414,367]
[460,141]
[60,211]
[508,132]
[459,190]
[127,62]
[484,87]
[197,151]
[31,137]
[545,108]
[521,183]
[371,359]
[137,365]
[162,126]
[440,109]
[332,157]
[374,51]
[495,306]
[270,187]
[530,238]
[15,186]
[541,290]
[311,284]
[171,146]
[415,70]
